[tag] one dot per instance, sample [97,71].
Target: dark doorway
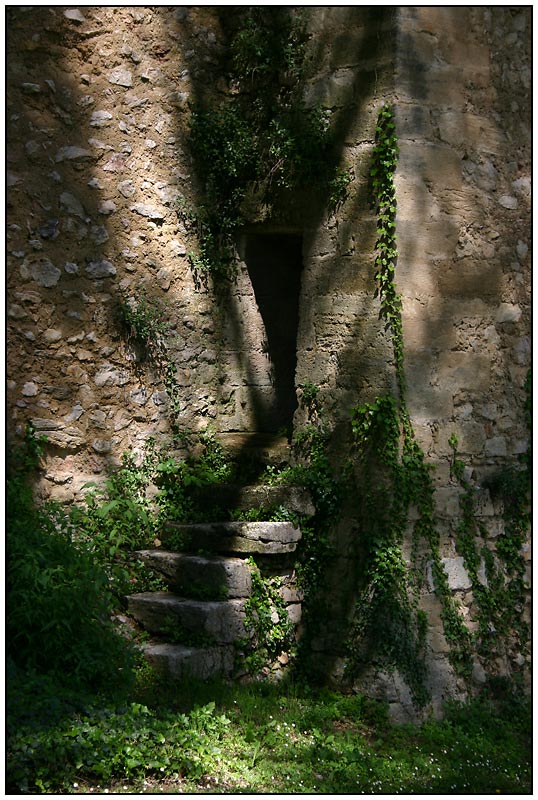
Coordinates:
[274,263]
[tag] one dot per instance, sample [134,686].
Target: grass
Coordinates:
[257,739]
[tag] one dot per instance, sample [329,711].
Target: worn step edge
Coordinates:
[201,577]
[178,661]
[230,496]
[234,537]
[222,621]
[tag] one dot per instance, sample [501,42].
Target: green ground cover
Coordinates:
[86,714]
[260,738]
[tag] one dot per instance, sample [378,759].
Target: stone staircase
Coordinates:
[196,626]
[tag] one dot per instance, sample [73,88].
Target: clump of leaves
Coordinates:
[262,142]
[270,628]
[103,744]
[178,479]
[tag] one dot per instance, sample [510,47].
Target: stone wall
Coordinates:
[463,187]
[97,157]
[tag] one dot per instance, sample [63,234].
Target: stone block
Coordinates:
[435,86]
[435,164]
[294,611]
[427,240]
[447,501]
[464,129]
[424,398]
[293,498]
[221,621]
[458,577]
[199,576]
[236,537]
[333,90]
[40,270]
[441,682]
[464,370]
[179,662]
[474,276]
[471,438]
[496,446]
[252,367]
[413,121]
[508,312]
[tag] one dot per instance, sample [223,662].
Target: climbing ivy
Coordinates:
[391,469]
[384,163]
[267,622]
[497,577]
[394,477]
[389,625]
[257,146]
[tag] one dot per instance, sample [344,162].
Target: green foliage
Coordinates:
[387,625]
[118,518]
[262,738]
[395,477]
[143,323]
[384,163]
[267,622]
[107,743]
[500,598]
[59,599]
[173,632]
[177,479]
[259,144]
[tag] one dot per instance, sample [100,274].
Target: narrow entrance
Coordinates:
[274,263]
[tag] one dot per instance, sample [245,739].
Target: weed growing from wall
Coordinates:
[267,622]
[144,326]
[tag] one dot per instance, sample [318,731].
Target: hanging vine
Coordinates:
[394,476]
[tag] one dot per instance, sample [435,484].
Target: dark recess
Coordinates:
[274,263]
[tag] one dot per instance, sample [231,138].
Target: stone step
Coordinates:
[201,577]
[177,661]
[269,448]
[189,622]
[233,537]
[227,496]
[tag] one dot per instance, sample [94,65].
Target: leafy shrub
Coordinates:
[58,600]
[107,743]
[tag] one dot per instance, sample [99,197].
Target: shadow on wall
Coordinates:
[456,142]
[345,80]
[74,238]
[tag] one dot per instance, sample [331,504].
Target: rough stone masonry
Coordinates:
[97,120]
